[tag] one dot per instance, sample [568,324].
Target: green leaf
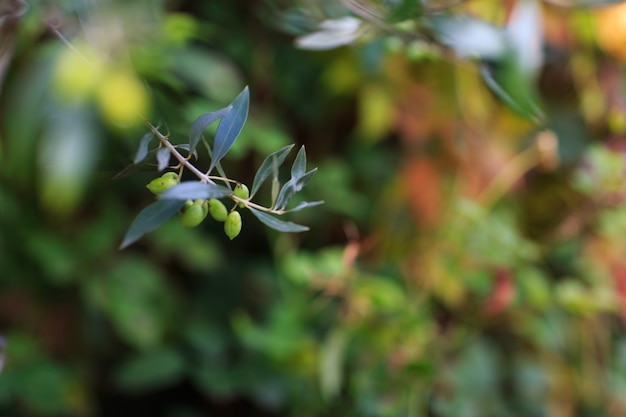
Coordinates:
[291,187]
[201,123]
[150,218]
[274,223]
[195,190]
[266,168]
[133,167]
[230,127]
[142,150]
[163,158]
[507,82]
[305,204]
[469,37]
[298,168]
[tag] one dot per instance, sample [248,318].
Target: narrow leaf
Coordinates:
[525,30]
[299,164]
[202,123]
[195,190]
[331,34]
[133,167]
[142,150]
[470,37]
[513,90]
[291,187]
[266,168]
[163,158]
[150,218]
[275,190]
[230,127]
[274,223]
[305,204]
[218,166]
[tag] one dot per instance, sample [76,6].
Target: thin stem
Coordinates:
[206,178]
[215,177]
[184,161]
[249,203]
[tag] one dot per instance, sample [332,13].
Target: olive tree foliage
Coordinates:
[195,200]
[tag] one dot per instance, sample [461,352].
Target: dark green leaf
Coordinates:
[150,218]
[163,158]
[291,187]
[230,127]
[305,204]
[195,190]
[266,168]
[201,123]
[142,151]
[274,223]
[299,164]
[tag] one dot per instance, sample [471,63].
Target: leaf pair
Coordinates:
[299,178]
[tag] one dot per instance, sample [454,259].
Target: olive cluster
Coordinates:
[194,212]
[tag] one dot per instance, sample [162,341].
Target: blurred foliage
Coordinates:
[469,260]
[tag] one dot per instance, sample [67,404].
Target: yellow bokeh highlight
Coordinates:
[376,112]
[122,98]
[611,30]
[77,72]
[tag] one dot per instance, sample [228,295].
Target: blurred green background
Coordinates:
[468,262]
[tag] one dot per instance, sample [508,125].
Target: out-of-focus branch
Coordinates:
[9,20]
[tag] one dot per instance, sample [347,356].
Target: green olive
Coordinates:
[232,225]
[241,191]
[165,181]
[194,215]
[171,175]
[218,210]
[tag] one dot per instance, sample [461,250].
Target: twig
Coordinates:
[184,161]
[204,177]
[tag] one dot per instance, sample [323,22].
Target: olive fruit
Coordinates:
[232,225]
[165,181]
[218,210]
[194,214]
[241,191]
